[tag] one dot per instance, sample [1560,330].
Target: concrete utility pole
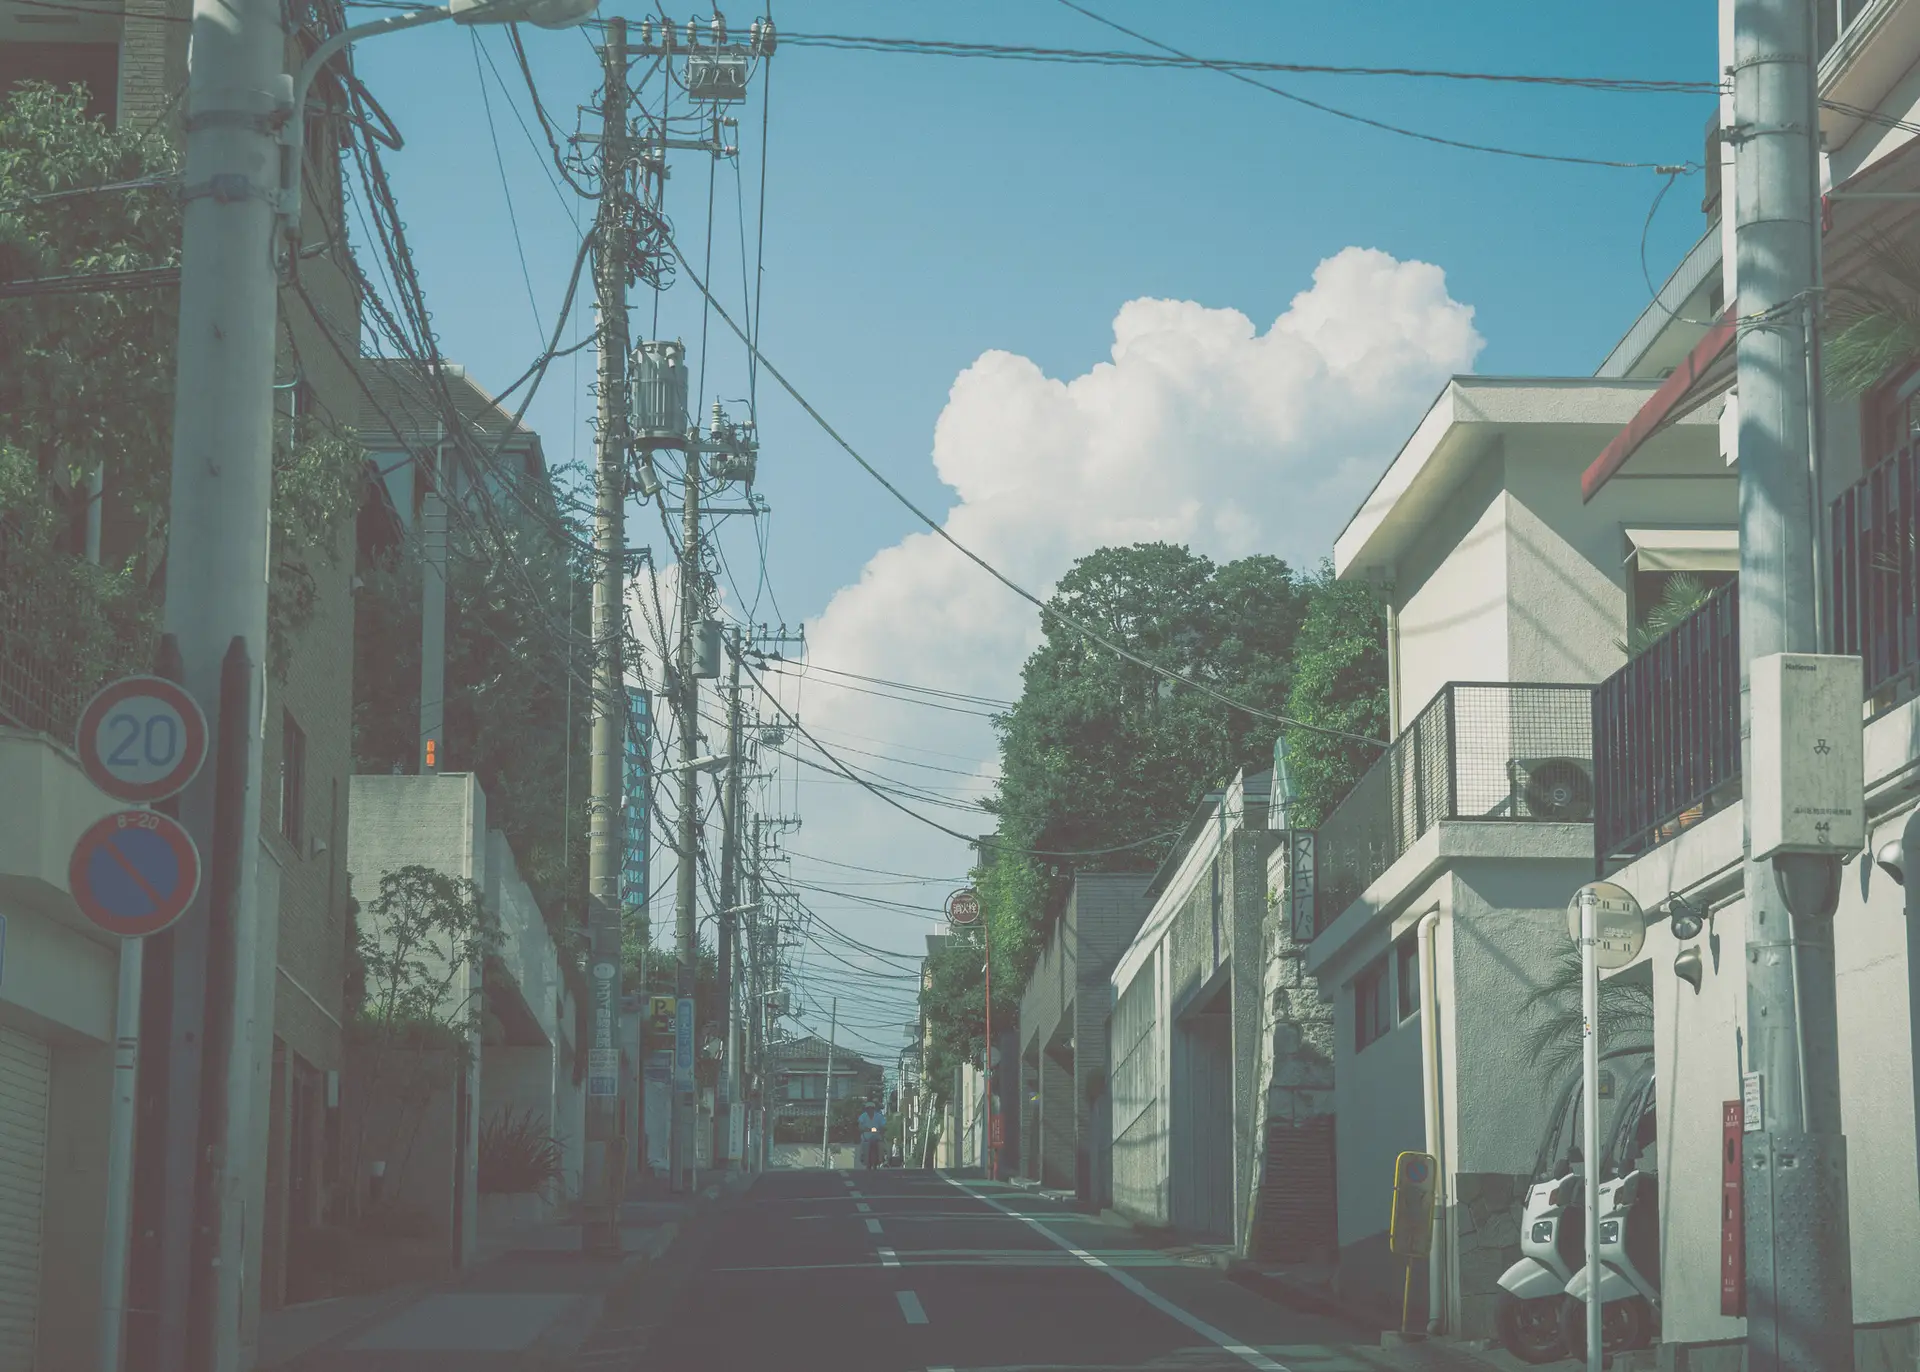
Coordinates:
[729,913]
[199,977]
[1799,1287]
[603,1167]
[757,1002]
[433,608]
[826,1091]
[686,877]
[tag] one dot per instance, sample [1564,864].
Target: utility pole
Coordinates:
[1799,1280]
[757,1000]
[197,1024]
[433,608]
[686,876]
[729,912]
[603,1166]
[826,1091]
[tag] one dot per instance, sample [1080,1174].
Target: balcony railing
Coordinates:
[1874,577]
[1499,752]
[1666,733]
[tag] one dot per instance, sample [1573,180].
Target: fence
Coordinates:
[1666,733]
[59,640]
[1874,577]
[1503,752]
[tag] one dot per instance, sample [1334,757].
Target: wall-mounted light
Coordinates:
[1684,920]
[1689,967]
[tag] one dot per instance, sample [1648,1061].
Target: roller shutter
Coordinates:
[24,1067]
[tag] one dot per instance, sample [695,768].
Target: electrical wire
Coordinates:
[506,191]
[1382,125]
[909,686]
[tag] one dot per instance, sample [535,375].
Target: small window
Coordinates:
[1406,973]
[1372,1015]
[293,781]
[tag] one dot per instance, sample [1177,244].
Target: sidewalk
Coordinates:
[528,1303]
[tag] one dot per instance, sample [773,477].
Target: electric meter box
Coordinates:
[1806,793]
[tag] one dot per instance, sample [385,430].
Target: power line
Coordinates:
[1241,76]
[908,686]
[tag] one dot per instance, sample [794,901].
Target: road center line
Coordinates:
[889,1258]
[862,1207]
[910,1307]
[873,1226]
[1253,1357]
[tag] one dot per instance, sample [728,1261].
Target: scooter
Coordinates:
[1629,1233]
[1530,1319]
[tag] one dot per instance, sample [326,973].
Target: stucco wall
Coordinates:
[1450,591]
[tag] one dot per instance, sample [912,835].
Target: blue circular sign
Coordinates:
[134,872]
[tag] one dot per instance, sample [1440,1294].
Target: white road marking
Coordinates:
[910,1307]
[889,1258]
[1253,1357]
[862,1207]
[873,1226]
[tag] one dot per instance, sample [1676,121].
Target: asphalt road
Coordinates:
[906,1271]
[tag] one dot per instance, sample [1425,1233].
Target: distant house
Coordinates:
[800,1080]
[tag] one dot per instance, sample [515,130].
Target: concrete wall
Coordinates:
[1450,595]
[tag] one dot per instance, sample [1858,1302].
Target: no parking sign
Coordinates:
[134,872]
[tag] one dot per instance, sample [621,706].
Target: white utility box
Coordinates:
[1806,793]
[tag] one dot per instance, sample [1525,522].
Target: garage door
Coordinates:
[23,1165]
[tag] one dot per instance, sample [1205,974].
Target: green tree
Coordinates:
[1339,682]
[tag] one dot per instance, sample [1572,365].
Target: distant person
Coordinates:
[873,1127]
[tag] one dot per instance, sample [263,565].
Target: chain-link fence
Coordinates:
[1502,752]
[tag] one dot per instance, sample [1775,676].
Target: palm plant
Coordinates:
[1680,597]
[1873,319]
[1553,1040]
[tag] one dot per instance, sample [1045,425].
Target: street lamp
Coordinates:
[546,14]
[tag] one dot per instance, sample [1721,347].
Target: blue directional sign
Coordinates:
[683,1044]
[134,872]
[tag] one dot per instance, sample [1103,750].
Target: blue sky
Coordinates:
[923,211]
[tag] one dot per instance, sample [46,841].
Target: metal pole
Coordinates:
[986,1124]
[1799,1280]
[1910,880]
[826,1091]
[757,988]
[120,1138]
[729,916]
[686,877]
[433,611]
[1590,1123]
[216,602]
[603,1163]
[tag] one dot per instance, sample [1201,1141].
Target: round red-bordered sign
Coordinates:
[142,739]
[134,872]
[963,907]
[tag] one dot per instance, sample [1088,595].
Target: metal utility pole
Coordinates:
[433,608]
[826,1091]
[1799,1287]
[729,912]
[686,877]
[757,1001]
[603,1167]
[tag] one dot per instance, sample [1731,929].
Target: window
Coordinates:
[796,1088]
[1834,18]
[1406,972]
[1372,1016]
[293,781]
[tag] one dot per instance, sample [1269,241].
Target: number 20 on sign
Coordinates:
[142,739]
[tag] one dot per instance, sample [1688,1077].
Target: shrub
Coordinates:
[517,1154]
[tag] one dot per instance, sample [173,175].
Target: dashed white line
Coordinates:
[873,1226]
[1253,1357]
[889,1258]
[862,1207]
[910,1307]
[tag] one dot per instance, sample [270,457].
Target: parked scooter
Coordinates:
[1629,1232]
[1530,1319]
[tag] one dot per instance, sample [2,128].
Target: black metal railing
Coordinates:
[1874,577]
[1501,752]
[1666,733]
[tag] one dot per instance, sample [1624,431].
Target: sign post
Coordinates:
[1410,1230]
[1608,924]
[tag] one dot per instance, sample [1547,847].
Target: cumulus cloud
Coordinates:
[1200,428]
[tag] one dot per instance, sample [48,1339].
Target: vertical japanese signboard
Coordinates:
[603,1057]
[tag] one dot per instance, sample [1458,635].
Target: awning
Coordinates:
[1685,550]
[1708,371]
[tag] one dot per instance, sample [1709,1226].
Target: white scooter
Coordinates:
[1629,1233]
[1530,1319]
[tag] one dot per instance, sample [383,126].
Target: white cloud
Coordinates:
[1200,429]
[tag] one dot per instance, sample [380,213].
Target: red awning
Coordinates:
[1707,371]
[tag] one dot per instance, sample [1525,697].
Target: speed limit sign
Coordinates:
[142,739]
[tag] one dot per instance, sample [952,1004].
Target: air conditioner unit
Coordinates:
[1552,788]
